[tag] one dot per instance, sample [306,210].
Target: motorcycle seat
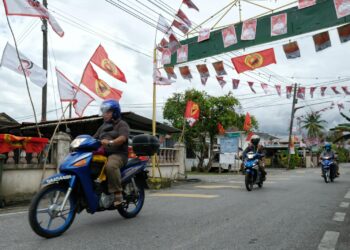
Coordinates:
[132,162]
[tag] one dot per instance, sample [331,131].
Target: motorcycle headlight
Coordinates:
[76,142]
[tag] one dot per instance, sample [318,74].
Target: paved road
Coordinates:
[294,210]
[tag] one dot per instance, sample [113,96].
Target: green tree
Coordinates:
[213,110]
[313,124]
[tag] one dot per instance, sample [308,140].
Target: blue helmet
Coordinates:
[327,146]
[111,105]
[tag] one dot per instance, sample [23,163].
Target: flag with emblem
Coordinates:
[254,60]
[100,58]
[247,122]
[99,87]
[192,113]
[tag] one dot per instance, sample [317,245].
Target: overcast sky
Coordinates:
[86,25]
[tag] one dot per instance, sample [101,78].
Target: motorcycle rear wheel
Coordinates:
[44,211]
[133,200]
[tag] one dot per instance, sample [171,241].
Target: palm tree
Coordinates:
[313,123]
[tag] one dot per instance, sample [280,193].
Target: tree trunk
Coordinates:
[201,155]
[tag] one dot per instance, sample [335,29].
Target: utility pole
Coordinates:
[44,90]
[291,122]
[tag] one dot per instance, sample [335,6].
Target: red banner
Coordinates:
[254,60]
[29,144]
[247,122]
[192,113]
[100,58]
[221,130]
[97,86]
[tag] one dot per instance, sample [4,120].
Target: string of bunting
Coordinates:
[247,62]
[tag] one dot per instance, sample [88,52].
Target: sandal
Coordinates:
[118,199]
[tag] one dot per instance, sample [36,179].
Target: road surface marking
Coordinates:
[8,214]
[201,196]
[328,241]
[344,204]
[347,196]
[300,171]
[338,216]
[217,186]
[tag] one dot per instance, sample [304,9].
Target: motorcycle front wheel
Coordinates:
[134,199]
[45,217]
[249,182]
[326,176]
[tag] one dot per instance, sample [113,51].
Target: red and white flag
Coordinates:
[185,73]
[204,34]
[181,26]
[278,89]
[31,8]
[182,54]
[249,29]
[235,83]
[181,15]
[166,56]
[192,112]
[173,44]
[99,87]
[312,90]
[279,24]
[342,8]
[221,81]
[158,79]
[100,58]
[289,91]
[10,60]
[265,87]
[334,88]
[305,3]
[301,93]
[69,92]
[345,89]
[190,4]
[163,25]
[251,86]
[229,36]
[162,45]
[323,90]
[170,72]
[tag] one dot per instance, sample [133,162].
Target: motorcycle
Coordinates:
[253,175]
[82,184]
[328,168]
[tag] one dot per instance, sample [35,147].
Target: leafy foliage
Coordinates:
[313,124]
[213,110]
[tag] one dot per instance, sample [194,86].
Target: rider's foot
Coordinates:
[337,174]
[118,199]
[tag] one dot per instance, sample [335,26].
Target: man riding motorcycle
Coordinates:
[330,153]
[255,147]
[114,134]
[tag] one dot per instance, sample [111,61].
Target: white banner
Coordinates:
[10,60]
[32,8]
[67,91]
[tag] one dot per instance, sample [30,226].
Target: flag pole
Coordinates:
[154,101]
[25,76]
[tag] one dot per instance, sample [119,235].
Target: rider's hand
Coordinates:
[105,142]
